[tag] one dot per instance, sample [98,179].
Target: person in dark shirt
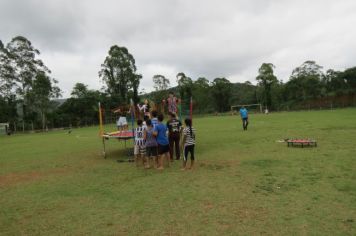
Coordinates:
[174,129]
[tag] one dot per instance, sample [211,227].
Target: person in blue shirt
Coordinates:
[160,131]
[244,117]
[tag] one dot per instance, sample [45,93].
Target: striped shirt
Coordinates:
[139,136]
[189,139]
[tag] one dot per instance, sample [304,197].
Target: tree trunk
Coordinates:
[43,122]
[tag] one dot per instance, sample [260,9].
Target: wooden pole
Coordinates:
[101,129]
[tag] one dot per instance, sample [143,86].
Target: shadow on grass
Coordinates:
[120,155]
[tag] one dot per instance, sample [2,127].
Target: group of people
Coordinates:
[156,142]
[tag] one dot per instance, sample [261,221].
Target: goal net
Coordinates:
[4,128]
[252,108]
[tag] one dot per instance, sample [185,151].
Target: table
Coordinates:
[119,135]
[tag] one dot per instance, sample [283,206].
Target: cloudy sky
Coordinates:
[209,38]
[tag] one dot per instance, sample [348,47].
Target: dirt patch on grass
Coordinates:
[18,178]
[218,165]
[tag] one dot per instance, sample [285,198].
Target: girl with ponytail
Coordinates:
[188,143]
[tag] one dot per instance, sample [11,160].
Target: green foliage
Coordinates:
[221,91]
[161,85]
[305,82]
[185,85]
[266,79]
[25,82]
[81,109]
[118,72]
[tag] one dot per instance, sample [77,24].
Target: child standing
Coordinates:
[188,143]
[140,148]
[160,131]
[151,145]
[154,119]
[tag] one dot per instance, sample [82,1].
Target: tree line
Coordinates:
[29,95]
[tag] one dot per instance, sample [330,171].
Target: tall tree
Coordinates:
[117,71]
[201,95]
[305,82]
[80,90]
[334,83]
[185,85]
[7,85]
[266,79]
[7,73]
[134,84]
[44,89]
[221,91]
[27,66]
[160,84]
[349,75]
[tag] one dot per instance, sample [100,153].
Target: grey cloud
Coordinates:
[208,38]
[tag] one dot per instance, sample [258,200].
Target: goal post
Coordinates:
[257,105]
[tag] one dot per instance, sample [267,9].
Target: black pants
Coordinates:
[244,123]
[174,139]
[187,150]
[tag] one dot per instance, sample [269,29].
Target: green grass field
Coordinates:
[245,183]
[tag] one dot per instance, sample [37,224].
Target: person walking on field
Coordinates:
[174,128]
[188,143]
[160,131]
[244,117]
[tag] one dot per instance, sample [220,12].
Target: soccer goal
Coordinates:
[254,108]
[4,128]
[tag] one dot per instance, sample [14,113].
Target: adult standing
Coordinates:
[174,129]
[244,117]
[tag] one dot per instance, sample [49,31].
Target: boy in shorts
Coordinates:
[160,131]
[140,148]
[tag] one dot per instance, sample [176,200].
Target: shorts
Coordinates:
[122,121]
[139,150]
[151,151]
[163,149]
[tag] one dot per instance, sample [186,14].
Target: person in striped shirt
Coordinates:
[140,147]
[188,143]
